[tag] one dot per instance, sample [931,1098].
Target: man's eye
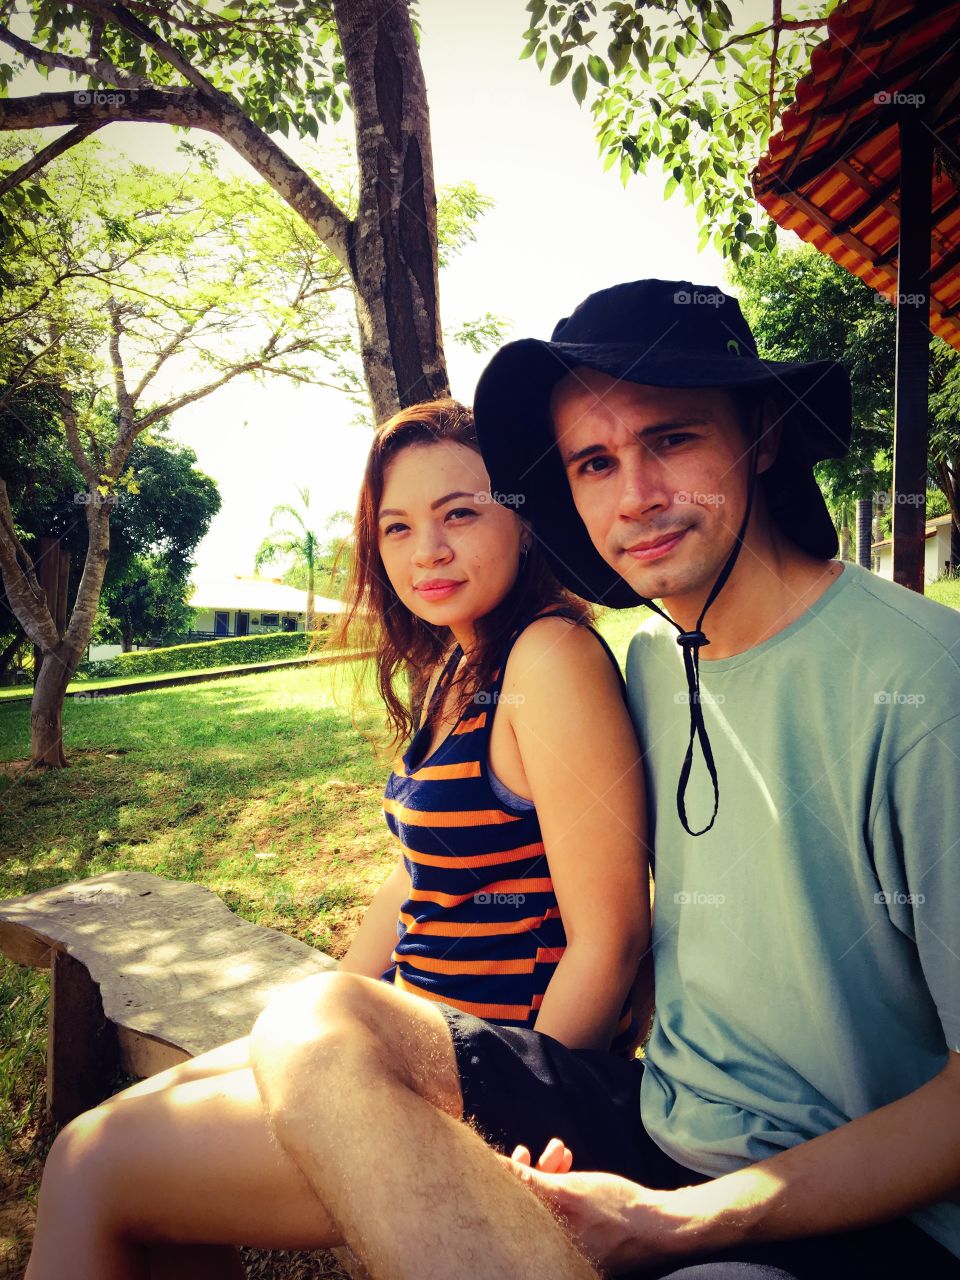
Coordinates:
[595,466]
[676,438]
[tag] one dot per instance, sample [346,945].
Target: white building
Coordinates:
[242,606]
[936,551]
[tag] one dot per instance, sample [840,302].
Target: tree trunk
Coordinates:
[126,640]
[393,242]
[844,540]
[46,711]
[864,531]
[311,613]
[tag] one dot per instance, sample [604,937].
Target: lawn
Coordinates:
[260,787]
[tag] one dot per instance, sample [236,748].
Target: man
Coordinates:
[798,1110]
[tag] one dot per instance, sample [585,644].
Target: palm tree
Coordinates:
[298,541]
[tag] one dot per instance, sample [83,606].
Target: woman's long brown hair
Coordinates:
[406,648]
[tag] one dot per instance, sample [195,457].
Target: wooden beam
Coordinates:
[911,412]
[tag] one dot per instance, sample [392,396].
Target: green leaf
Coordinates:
[619,55]
[598,69]
[529,49]
[560,70]
[579,83]
[541,55]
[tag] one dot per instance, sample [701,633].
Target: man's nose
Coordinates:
[644,487]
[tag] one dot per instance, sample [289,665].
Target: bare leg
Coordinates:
[194,1163]
[416,1191]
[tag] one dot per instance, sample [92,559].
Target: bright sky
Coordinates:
[561,229]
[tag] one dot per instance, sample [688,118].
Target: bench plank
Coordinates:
[175,967]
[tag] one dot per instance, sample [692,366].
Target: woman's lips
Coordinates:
[657,549]
[438,589]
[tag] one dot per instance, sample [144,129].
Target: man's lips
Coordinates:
[656,548]
[437,588]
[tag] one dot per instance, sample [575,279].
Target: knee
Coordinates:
[81,1158]
[316,1032]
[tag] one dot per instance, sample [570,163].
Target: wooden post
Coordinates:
[82,1055]
[911,414]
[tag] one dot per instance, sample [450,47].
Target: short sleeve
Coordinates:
[916,849]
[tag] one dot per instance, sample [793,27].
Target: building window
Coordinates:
[270,620]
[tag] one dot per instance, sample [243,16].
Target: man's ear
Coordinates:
[770,431]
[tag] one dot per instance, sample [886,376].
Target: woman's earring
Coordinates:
[524,549]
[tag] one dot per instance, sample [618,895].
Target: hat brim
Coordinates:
[515,429]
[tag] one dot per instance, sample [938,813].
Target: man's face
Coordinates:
[659,477]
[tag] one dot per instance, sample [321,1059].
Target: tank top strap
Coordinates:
[558,612]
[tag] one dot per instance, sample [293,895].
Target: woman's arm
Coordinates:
[371,950]
[582,765]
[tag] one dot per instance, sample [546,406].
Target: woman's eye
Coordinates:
[459,512]
[391,528]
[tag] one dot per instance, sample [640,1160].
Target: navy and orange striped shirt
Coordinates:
[481,929]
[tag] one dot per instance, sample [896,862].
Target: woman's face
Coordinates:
[451,553]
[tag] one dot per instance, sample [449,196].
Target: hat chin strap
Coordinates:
[691,642]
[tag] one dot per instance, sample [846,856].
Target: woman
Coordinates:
[520,892]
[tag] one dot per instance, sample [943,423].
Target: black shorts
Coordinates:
[521,1087]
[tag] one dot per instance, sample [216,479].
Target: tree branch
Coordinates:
[89,472]
[191,110]
[27,600]
[46,154]
[96,67]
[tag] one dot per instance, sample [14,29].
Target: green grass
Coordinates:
[946,591]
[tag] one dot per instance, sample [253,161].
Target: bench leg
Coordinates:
[82,1056]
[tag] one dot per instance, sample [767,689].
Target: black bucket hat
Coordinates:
[662,333]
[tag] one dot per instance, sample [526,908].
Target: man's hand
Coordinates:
[618,1224]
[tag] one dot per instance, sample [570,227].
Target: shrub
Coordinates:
[234,652]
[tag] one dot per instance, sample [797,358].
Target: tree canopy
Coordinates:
[692,85]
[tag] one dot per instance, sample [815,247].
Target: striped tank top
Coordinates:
[481,929]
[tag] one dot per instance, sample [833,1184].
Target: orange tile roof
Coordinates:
[831,173]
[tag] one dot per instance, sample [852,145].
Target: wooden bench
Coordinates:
[146,973]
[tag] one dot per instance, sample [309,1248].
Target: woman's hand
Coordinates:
[556,1157]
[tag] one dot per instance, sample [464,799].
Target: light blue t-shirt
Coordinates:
[807,948]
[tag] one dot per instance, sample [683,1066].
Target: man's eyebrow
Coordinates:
[656,428]
[447,497]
